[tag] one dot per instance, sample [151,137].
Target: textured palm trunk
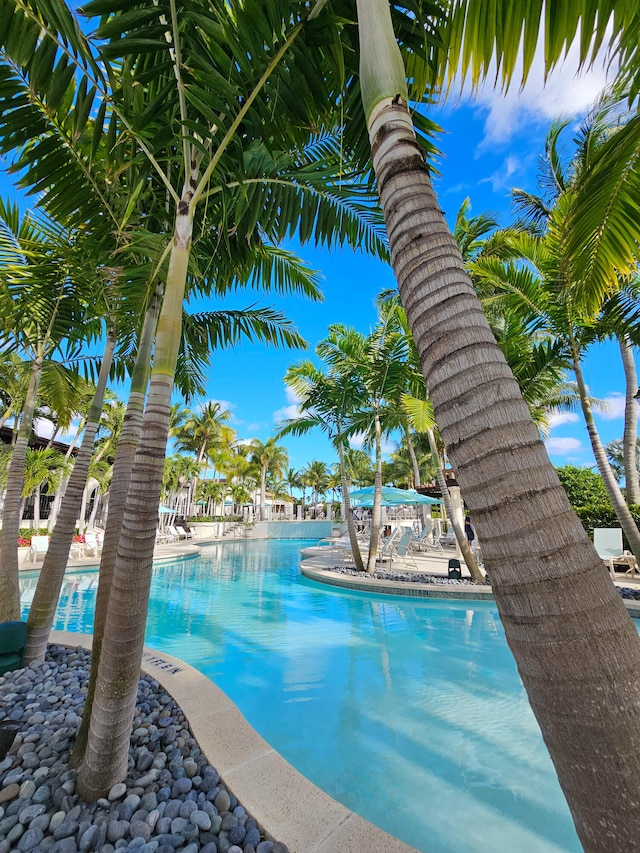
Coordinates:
[263,494]
[120,481]
[45,600]
[377,499]
[11,514]
[414,460]
[351,527]
[620,507]
[105,759]
[630,436]
[576,649]
[461,536]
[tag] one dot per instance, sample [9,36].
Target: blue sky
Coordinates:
[489,145]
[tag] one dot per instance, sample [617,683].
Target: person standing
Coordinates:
[470,534]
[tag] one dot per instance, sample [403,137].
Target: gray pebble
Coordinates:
[31,839]
[117,791]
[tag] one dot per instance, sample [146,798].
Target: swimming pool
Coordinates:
[409,712]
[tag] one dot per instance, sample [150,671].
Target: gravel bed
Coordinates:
[627,592]
[172,799]
[418,577]
[411,577]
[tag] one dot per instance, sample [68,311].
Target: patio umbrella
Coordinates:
[390,497]
[162,508]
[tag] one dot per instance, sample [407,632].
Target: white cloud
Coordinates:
[356,441]
[286,412]
[614,407]
[43,427]
[562,446]
[558,418]
[501,178]
[565,93]
[291,395]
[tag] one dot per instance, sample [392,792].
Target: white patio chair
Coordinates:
[182,533]
[38,548]
[608,544]
[92,543]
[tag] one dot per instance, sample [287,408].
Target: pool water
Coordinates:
[409,712]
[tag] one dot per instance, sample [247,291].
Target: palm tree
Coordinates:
[615,451]
[547,578]
[550,301]
[316,473]
[45,467]
[42,270]
[326,402]
[205,433]
[292,479]
[272,459]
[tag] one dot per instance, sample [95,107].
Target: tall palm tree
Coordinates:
[205,433]
[43,271]
[316,474]
[552,593]
[327,400]
[45,467]
[272,459]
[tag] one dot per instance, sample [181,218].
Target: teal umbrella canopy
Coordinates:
[390,497]
[162,508]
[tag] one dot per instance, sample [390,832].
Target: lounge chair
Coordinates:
[423,540]
[13,642]
[38,547]
[183,533]
[174,533]
[608,544]
[387,546]
[92,544]
[402,550]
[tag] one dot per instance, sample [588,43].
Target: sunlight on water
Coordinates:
[409,712]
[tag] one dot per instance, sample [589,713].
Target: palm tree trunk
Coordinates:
[351,527]
[630,436]
[461,536]
[617,498]
[118,491]
[47,592]
[263,493]
[10,598]
[377,500]
[105,759]
[576,648]
[36,509]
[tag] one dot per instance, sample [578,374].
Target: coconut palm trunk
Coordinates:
[10,598]
[120,481]
[630,436]
[576,649]
[105,759]
[47,592]
[351,527]
[377,498]
[620,507]
[461,536]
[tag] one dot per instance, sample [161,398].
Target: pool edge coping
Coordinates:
[287,806]
[313,569]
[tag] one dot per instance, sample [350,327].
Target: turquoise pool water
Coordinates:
[409,712]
